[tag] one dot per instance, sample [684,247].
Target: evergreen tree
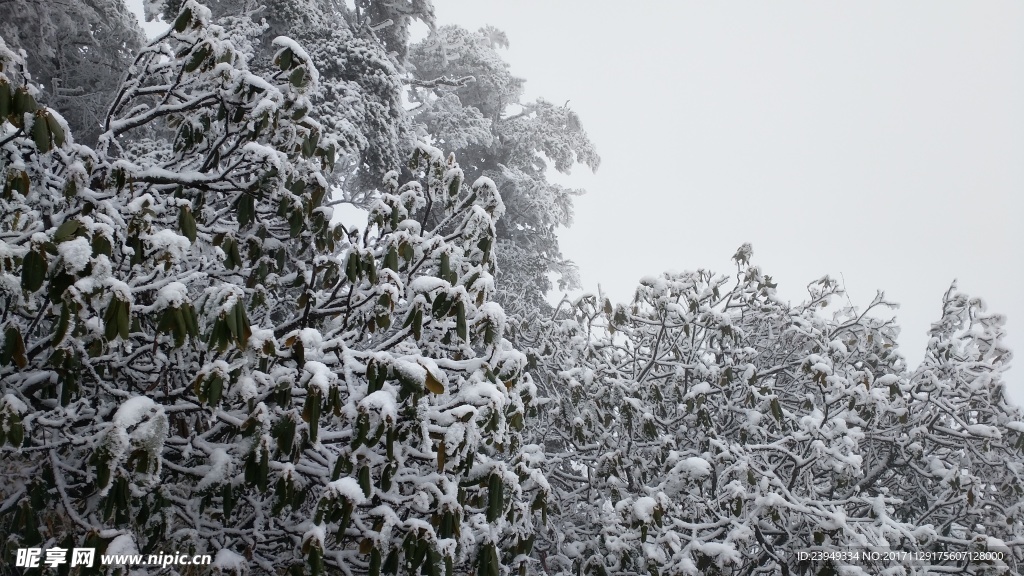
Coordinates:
[195,359]
[468,100]
[359,51]
[77,52]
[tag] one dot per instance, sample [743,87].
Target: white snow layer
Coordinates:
[643,508]
[76,254]
[122,545]
[694,467]
[226,560]
[133,411]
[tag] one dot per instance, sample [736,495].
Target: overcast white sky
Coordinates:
[881,141]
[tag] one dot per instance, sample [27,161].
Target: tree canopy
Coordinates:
[197,356]
[473,103]
[189,343]
[709,428]
[77,53]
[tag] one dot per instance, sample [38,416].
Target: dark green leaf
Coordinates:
[187,223]
[66,230]
[33,270]
[198,57]
[56,131]
[183,20]
[285,60]
[23,103]
[6,99]
[13,351]
[364,481]
[41,133]
[460,321]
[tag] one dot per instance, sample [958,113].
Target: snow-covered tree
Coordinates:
[359,49]
[194,359]
[709,428]
[468,100]
[77,52]
[958,466]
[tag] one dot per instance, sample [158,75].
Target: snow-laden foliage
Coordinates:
[468,100]
[359,50]
[194,359]
[77,53]
[709,428]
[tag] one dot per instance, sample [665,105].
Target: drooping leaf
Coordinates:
[33,270]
